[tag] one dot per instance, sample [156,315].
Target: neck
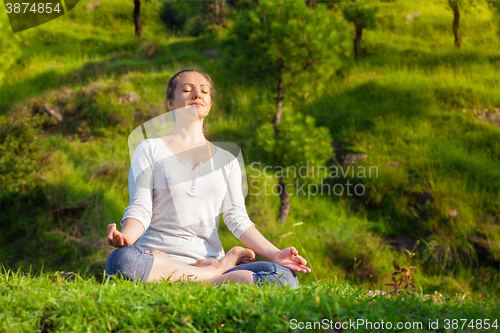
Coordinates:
[188,128]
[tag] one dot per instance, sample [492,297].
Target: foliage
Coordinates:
[401,278]
[184,17]
[312,45]
[301,144]
[10,47]
[20,150]
[362,13]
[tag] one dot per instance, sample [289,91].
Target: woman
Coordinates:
[178,185]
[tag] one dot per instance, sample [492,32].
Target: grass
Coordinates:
[49,302]
[404,101]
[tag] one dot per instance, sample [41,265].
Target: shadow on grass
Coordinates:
[357,109]
[116,64]
[53,235]
[417,58]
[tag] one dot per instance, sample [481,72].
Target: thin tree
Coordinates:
[296,50]
[456,23]
[137,18]
[363,16]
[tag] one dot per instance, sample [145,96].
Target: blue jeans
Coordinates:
[133,263]
[265,272]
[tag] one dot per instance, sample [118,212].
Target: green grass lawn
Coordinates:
[49,303]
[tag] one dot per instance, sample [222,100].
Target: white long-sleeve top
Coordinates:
[179,205]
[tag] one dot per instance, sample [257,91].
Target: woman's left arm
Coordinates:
[288,257]
[236,218]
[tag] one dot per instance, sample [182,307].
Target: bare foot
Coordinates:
[207,262]
[236,256]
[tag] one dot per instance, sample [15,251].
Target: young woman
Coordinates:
[178,186]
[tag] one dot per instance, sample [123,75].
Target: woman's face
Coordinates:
[192,88]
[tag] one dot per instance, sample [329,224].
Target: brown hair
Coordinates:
[172,85]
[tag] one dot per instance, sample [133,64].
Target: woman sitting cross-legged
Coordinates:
[178,185]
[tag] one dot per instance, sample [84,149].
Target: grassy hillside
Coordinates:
[408,104]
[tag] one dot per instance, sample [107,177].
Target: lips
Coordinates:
[196,104]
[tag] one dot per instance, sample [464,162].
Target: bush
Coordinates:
[184,17]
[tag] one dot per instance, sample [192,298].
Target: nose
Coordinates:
[197,93]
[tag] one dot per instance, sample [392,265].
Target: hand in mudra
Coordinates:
[116,238]
[291,259]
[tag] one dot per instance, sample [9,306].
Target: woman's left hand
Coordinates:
[291,259]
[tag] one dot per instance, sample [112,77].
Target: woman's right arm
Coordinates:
[132,229]
[138,214]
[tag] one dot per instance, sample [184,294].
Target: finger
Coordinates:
[126,241]
[121,240]
[293,251]
[302,261]
[111,226]
[113,238]
[117,238]
[110,238]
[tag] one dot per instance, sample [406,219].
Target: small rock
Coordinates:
[488,117]
[401,243]
[453,213]
[353,158]
[338,149]
[490,220]
[91,6]
[410,17]
[395,164]
[92,88]
[484,247]
[53,111]
[128,98]
[423,197]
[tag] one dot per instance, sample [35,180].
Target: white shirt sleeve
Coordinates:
[140,184]
[233,207]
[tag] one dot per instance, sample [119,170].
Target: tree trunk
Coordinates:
[279,98]
[285,202]
[137,18]
[357,44]
[222,19]
[284,198]
[456,23]
[216,7]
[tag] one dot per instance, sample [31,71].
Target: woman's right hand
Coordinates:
[116,238]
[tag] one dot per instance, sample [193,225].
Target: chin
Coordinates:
[202,114]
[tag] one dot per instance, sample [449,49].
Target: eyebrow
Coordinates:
[203,84]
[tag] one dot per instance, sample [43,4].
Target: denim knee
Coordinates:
[276,274]
[266,272]
[131,262]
